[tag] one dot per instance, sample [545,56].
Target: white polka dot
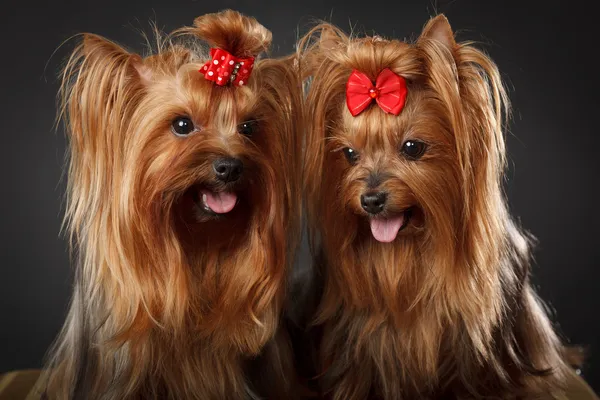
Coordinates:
[210,73]
[241,83]
[222,58]
[220,78]
[205,67]
[226,73]
[231,62]
[242,63]
[245,71]
[216,62]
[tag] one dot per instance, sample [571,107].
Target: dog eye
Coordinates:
[413,149]
[182,126]
[351,155]
[248,128]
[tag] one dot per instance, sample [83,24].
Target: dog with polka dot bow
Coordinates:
[183,214]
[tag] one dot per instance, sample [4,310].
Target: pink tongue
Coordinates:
[385,230]
[220,203]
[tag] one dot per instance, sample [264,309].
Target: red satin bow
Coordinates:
[224,68]
[389,92]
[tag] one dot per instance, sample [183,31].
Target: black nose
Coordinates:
[228,169]
[373,203]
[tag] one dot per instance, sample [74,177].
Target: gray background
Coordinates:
[543,49]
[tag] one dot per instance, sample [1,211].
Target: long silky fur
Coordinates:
[149,317]
[448,312]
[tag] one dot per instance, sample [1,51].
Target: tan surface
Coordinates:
[19,385]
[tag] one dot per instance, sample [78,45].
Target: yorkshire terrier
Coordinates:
[425,275]
[182,206]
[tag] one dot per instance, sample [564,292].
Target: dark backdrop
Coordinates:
[543,49]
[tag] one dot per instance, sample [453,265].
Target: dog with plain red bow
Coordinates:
[424,289]
[183,212]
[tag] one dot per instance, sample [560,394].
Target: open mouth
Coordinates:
[386,229]
[216,203]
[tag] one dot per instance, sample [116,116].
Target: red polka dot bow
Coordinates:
[389,92]
[224,68]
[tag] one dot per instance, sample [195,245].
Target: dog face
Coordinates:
[206,153]
[395,174]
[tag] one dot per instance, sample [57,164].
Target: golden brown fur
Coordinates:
[446,310]
[169,302]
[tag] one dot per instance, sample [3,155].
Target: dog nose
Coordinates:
[228,169]
[373,203]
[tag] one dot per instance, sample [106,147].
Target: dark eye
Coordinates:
[351,155]
[182,126]
[413,149]
[248,128]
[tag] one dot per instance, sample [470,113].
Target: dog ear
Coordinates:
[331,38]
[97,49]
[438,29]
[101,83]
[322,42]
